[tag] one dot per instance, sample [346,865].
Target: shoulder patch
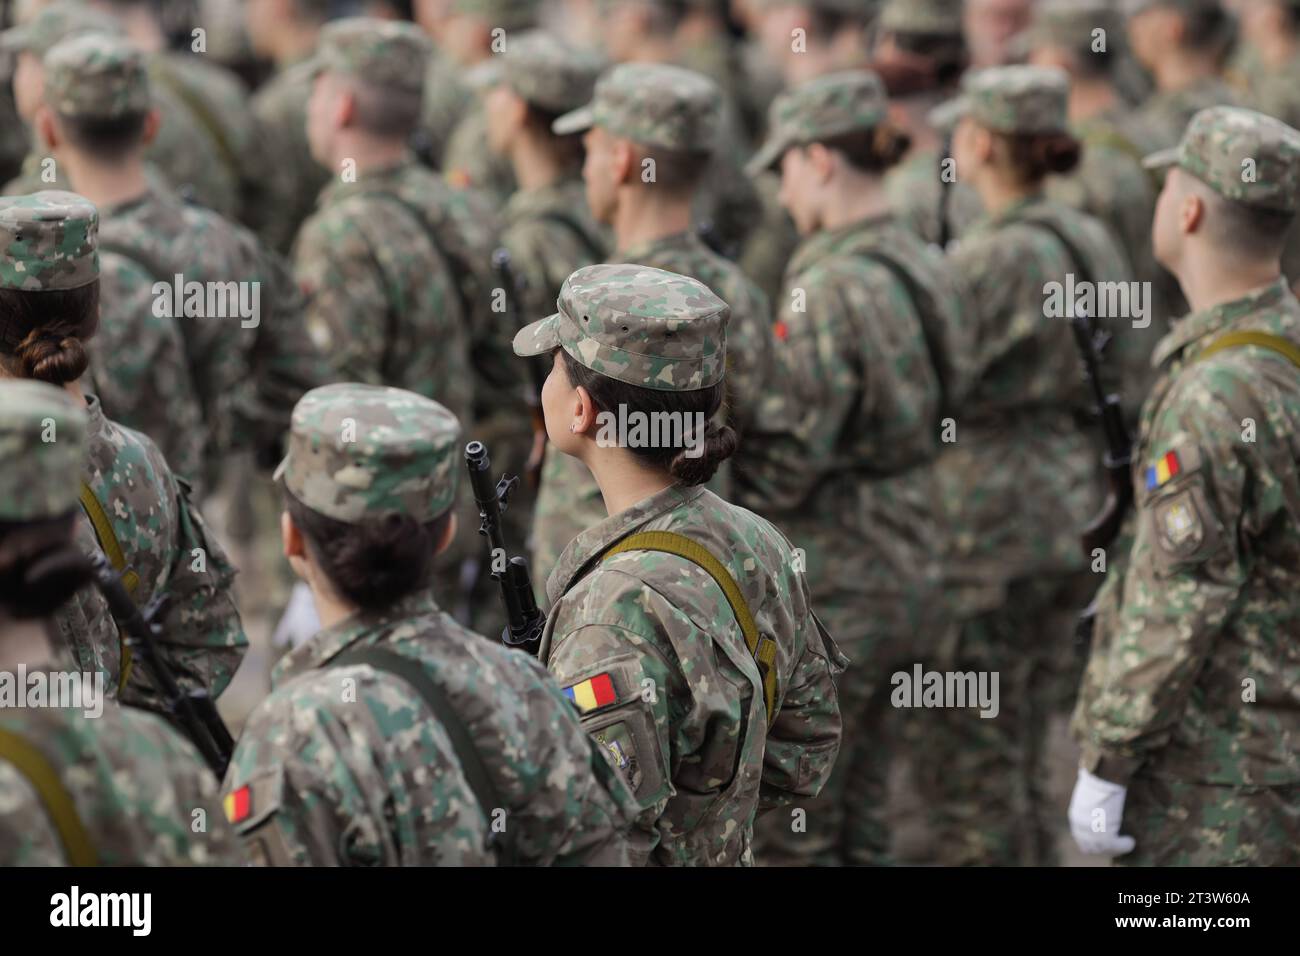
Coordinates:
[593,693]
[250,805]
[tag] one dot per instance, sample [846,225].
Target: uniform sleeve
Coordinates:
[346,311]
[749,353]
[1182,581]
[803,741]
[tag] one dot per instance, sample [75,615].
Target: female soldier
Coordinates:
[396,736]
[83,783]
[679,625]
[135,510]
[868,344]
[1022,479]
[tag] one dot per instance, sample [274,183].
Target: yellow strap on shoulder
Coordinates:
[107,538]
[1274,343]
[762,649]
[31,763]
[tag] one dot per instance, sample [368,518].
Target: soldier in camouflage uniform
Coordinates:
[1021,477]
[247,370]
[135,510]
[1190,706]
[453,132]
[181,149]
[1271,28]
[1182,44]
[869,356]
[134,783]
[287,35]
[396,736]
[670,117]
[693,655]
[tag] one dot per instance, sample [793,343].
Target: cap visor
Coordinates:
[768,156]
[485,76]
[280,469]
[945,116]
[577,121]
[1162,159]
[539,338]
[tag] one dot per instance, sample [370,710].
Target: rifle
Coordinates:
[193,711]
[505,270]
[524,619]
[945,195]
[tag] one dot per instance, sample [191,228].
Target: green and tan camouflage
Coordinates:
[1011,99]
[822,108]
[505,14]
[652,104]
[359,452]
[55,23]
[42,428]
[935,17]
[542,70]
[49,240]
[1242,155]
[638,325]
[1070,25]
[380,53]
[96,76]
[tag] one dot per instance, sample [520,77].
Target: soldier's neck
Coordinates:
[1181,69]
[999,193]
[535,167]
[1208,280]
[1090,98]
[368,154]
[24,642]
[860,198]
[290,44]
[1277,49]
[107,186]
[623,481]
[640,219]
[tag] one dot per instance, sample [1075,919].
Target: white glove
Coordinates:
[1096,812]
[300,622]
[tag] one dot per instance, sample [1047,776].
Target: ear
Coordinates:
[448,533]
[291,539]
[822,161]
[345,112]
[584,412]
[1191,213]
[624,165]
[152,123]
[47,128]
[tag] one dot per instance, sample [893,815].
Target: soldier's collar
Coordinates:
[366,178]
[642,251]
[357,629]
[590,544]
[1198,327]
[529,202]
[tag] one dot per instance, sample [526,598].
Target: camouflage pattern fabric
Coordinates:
[41,427]
[915,192]
[96,76]
[1159,122]
[820,109]
[49,242]
[1011,99]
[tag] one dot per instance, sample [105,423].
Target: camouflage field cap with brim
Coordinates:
[1029,100]
[48,242]
[96,76]
[820,109]
[1131,8]
[42,450]
[652,104]
[1244,156]
[639,325]
[934,17]
[506,14]
[358,452]
[55,23]
[542,71]
[385,53]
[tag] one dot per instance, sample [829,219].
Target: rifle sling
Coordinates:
[471,761]
[58,802]
[112,548]
[762,649]
[1274,343]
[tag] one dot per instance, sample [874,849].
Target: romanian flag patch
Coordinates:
[1162,470]
[592,693]
[239,804]
[781,331]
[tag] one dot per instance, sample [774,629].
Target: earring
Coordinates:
[573,426]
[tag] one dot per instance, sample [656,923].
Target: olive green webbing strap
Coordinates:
[107,538]
[58,803]
[1274,343]
[761,648]
[471,761]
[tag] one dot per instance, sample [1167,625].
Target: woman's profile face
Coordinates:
[560,407]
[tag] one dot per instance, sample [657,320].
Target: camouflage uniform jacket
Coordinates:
[841,457]
[1204,600]
[468,161]
[1159,122]
[169,548]
[346,766]
[682,714]
[1021,477]
[916,195]
[294,178]
[137,786]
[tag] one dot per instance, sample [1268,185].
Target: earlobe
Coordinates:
[584,412]
[290,537]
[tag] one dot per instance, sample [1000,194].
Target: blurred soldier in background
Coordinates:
[992,28]
[1271,28]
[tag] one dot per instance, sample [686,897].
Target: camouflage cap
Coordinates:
[506,14]
[542,70]
[97,76]
[862,10]
[362,451]
[654,105]
[49,240]
[1131,8]
[827,106]
[1011,99]
[639,325]
[1069,24]
[42,450]
[57,22]
[941,17]
[1242,155]
[383,53]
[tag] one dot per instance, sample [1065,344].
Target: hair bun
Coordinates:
[719,445]
[52,357]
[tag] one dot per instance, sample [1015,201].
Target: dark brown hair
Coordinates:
[373,563]
[872,150]
[41,566]
[946,52]
[568,149]
[1035,156]
[108,140]
[43,334]
[677,172]
[609,394]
